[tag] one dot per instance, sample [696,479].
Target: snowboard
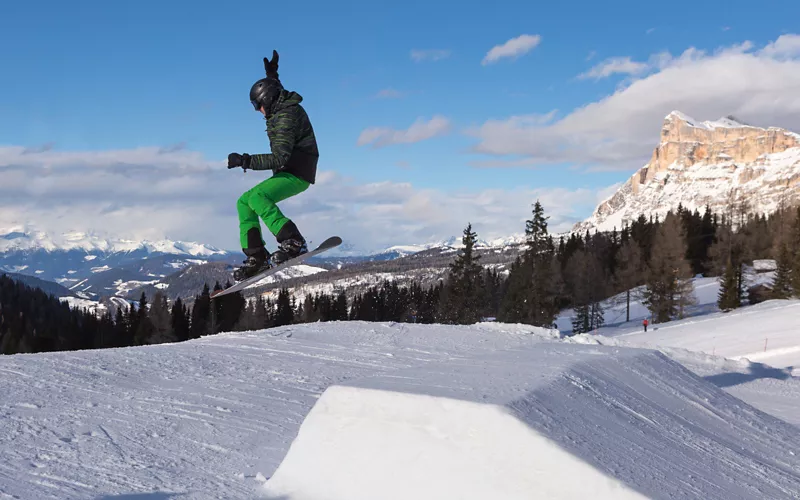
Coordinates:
[331,242]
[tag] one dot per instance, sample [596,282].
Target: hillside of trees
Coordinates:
[656,257]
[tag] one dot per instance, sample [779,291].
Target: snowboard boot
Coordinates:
[258,258]
[290,244]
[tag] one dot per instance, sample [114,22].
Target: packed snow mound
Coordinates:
[554,420]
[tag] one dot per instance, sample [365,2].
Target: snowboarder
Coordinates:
[293,161]
[644,324]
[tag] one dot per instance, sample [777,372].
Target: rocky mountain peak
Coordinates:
[699,163]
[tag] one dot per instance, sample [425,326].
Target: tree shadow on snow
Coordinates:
[756,371]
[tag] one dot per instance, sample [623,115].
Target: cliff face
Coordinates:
[703,163]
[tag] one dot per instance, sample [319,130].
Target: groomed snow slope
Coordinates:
[767,332]
[204,419]
[212,418]
[557,421]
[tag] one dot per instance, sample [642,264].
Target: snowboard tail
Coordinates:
[331,242]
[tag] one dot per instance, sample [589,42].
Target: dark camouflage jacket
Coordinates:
[291,140]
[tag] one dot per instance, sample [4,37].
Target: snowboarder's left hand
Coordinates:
[237,160]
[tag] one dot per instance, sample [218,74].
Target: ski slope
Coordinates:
[556,421]
[487,404]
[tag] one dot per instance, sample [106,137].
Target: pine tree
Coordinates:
[180,321]
[794,257]
[201,314]
[144,326]
[782,283]
[728,254]
[535,284]
[630,272]
[161,320]
[285,312]
[586,281]
[669,289]
[339,312]
[729,294]
[464,284]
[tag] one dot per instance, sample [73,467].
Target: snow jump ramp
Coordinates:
[555,421]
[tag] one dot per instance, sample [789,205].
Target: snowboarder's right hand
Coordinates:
[237,160]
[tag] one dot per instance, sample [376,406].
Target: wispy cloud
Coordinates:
[649,31]
[512,48]
[591,55]
[420,130]
[619,131]
[144,193]
[389,93]
[420,55]
[615,65]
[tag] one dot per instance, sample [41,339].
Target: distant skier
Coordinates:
[293,161]
[644,324]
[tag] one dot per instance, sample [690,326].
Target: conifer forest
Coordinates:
[650,260]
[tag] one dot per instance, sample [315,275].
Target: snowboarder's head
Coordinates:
[264,92]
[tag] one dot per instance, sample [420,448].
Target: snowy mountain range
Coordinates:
[24,238]
[709,163]
[93,266]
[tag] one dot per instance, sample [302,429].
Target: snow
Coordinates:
[21,238]
[705,183]
[297,271]
[765,265]
[385,410]
[90,258]
[697,184]
[123,287]
[100,269]
[771,326]
[724,122]
[14,269]
[82,303]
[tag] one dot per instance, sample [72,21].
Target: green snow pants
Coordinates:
[261,201]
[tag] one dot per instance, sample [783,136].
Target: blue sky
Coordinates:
[98,76]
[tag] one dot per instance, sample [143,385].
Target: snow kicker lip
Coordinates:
[551,421]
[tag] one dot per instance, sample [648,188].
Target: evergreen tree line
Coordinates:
[33,321]
[652,260]
[647,259]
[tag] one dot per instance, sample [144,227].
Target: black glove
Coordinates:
[237,160]
[271,67]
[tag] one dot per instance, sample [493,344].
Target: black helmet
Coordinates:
[264,92]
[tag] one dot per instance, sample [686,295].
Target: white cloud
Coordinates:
[614,65]
[591,55]
[429,54]
[786,46]
[620,131]
[512,48]
[420,130]
[181,195]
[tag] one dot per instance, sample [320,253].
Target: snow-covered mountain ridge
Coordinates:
[25,239]
[699,164]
